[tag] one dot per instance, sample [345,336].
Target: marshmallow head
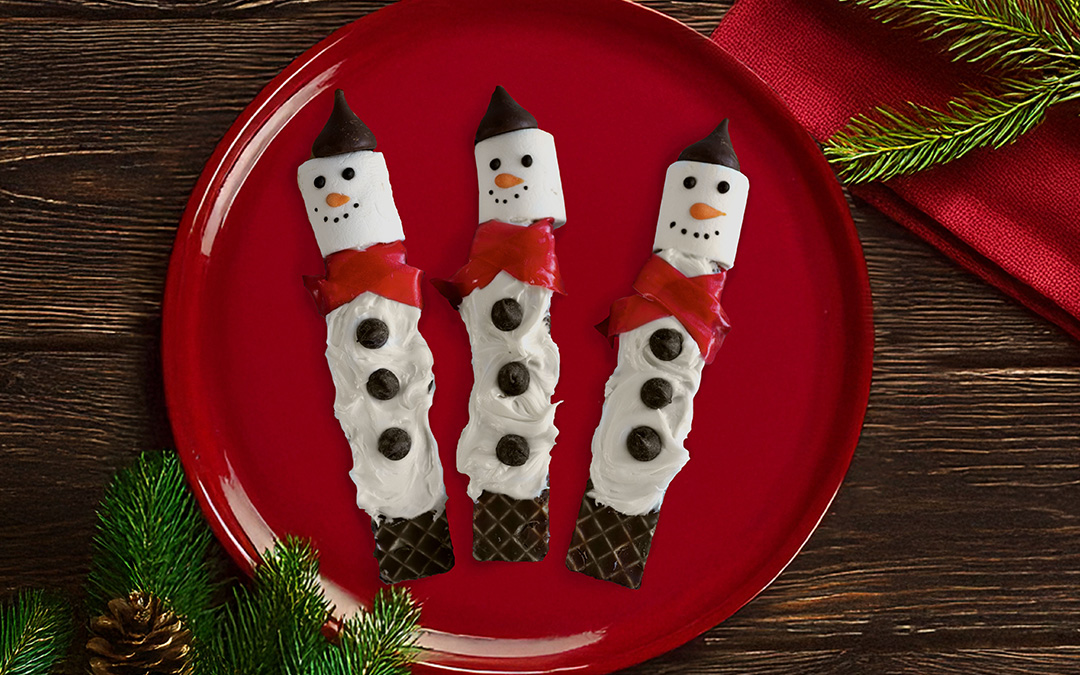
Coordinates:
[701,212]
[518,174]
[349,201]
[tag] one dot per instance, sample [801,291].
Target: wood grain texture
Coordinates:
[953,547]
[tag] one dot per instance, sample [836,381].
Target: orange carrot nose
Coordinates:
[507,180]
[336,199]
[703,211]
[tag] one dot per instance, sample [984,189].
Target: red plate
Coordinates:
[623,89]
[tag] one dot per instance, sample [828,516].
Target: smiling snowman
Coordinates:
[667,333]
[504,296]
[380,364]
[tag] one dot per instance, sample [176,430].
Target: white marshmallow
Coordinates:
[368,216]
[538,194]
[713,238]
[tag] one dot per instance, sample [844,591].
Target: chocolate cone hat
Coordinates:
[503,115]
[715,148]
[343,133]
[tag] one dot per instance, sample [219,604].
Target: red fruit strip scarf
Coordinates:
[665,291]
[380,269]
[525,253]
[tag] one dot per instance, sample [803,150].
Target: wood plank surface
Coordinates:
[953,547]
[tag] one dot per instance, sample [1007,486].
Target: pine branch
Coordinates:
[379,642]
[35,631]
[1007,34]
[895,142]
[151,537]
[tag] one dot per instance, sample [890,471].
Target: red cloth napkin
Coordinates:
[1011,216]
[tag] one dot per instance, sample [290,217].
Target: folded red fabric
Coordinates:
[1011,216]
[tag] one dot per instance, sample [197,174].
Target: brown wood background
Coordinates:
[954,545]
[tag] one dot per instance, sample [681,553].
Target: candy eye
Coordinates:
[495,164]
[689,182]
[320,182]
[348,174]
[526,161]
[723,187]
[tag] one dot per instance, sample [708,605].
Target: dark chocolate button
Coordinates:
[394,444]
[643,444]
[666,344]
[372,333]
[507,314]
[513,378]
[383,384]
[656,393]
[512,450]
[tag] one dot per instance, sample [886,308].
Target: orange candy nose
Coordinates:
[701,211]
[507,180]
[336,199]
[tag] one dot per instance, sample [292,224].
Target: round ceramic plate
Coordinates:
[623,89]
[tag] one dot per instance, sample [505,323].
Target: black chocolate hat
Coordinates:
[503,115]
[343,133]
[715,148]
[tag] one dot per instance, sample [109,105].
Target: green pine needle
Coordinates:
[151,537]
[379,642]
[35,630]
[1035,44]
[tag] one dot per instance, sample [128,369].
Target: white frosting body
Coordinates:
[630,486]
[368,214]
[717,237]
[538,195]
[413,485]
[492,414]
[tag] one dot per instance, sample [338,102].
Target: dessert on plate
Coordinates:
[503,294]
[379,361]
[667,332]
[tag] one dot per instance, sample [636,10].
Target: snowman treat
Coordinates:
[667,333]
[380,364]
[504,296]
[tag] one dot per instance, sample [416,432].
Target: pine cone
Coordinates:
[139,635]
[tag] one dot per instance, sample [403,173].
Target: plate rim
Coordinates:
[179,384]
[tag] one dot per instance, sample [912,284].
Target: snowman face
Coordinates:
[701,212]
[518,174]
[349,201]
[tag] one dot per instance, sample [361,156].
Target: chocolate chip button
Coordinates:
[506,314]
[643,444]
[512,450]
[513,378]
[394,444]
[666,344]
[383,385]
[656,393]
[372,333]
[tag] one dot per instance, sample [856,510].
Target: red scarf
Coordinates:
[525,253]
[380,269]
[665,291]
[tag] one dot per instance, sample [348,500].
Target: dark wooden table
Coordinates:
[953,546]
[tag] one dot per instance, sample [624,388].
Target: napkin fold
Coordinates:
[1011,216]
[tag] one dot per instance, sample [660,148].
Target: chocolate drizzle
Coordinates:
[503,115]
[715,148]
[343,133]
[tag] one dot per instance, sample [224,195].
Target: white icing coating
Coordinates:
[492,413]
[717,235]
[539,193]
[628,485]
[413,485]
[367,215]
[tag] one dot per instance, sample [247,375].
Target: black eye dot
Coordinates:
[495,164]
[689,182]
[356,206]
[526,161]
[672,224]
[717,232]
[723,187]
[349,173]
[320,182]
